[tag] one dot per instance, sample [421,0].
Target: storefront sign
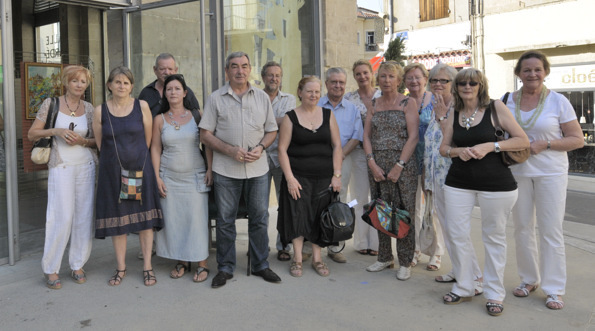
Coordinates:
[571,77]
[454,59]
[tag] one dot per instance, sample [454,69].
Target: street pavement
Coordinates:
[349,299]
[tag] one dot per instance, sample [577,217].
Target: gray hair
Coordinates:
[269,64]
[233,56]
[450,71]
[335,70]
[164,56]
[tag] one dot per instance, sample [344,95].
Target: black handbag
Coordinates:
[337,222]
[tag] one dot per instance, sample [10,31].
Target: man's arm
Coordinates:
[208,138]
[350,146]
[265,142]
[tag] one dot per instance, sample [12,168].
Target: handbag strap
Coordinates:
[401,204]
[499,131]
[50,120]
[114,137]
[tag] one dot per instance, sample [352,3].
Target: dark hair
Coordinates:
[475,75]
[535,55]
[121,70]
[269,64]
[164,103]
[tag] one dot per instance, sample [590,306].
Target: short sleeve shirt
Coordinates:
[348,119]
[239,121]
[282,103]
[150,94]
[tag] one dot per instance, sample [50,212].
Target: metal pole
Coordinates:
[12,210]
[203,51]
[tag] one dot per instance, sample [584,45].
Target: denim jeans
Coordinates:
[227,197]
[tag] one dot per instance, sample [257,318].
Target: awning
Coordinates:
[457,59]
[102,4]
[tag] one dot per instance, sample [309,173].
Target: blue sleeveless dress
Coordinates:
[113,216]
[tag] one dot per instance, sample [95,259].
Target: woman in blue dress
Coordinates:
[123,128]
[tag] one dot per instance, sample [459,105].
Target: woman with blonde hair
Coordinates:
[390,136]
[71,180]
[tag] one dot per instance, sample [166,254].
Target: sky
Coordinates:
[375,5]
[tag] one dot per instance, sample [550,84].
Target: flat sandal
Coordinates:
[116,278]
[148,277]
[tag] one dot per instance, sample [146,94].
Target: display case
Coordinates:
[588,133]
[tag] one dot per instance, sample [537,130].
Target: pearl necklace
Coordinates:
[468,121]
[174,122]
[517,109]
[72,112]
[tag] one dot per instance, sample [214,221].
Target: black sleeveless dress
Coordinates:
[311,158]
[114,217]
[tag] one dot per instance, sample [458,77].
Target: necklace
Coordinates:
[422,103]
[72,112]
[173,121]
[517,109]
[467,121]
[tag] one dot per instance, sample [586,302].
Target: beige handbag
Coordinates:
[40,154]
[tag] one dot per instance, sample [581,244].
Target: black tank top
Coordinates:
[489,174]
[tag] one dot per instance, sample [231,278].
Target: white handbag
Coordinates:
[427,233]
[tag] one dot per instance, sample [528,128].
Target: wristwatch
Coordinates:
[337,175]
[549,144]
[442,118]
[369,157]
[496,147]
[401,163]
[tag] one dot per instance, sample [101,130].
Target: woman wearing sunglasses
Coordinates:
[71,180]
[478,174]
[183,180]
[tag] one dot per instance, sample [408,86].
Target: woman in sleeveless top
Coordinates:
[310,155]
[183,180]
[123,128]
[390,136]
[478,173]
[71,180]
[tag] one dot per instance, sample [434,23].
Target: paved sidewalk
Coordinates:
[349,299]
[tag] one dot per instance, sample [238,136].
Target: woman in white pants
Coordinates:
[71,181]
[441,79]
[550,122]
[478,174]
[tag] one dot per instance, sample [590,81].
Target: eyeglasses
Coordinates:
[441,81]
[71,126]
[413,78]
[471,83]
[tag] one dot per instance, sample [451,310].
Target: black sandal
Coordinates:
[179,267]
[498,306]
[116,278]
[454,299]
[198,272]
[148,277]
[283,255]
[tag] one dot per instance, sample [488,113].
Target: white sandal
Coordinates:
[435,262]
[416,258]
[448,278]
[553,298]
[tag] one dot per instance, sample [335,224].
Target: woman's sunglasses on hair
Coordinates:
[471,83]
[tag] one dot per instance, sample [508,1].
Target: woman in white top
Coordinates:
[550,122]
[71,180]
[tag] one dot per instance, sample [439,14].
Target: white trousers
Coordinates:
[495,210]
[420,207]
[542,201]
[441,224]
[69,215]
[355,179]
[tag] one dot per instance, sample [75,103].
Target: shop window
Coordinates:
[432,10]
[583,104]
[47,42]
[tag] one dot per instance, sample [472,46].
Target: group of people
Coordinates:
[440,141]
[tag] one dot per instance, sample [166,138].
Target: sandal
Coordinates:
[198,272]
[416,258]
[478,288]
[295,269]
[53,284]
[554,302]
[178,268]
[522,291]
[373,252]
[148,277]
[454,299]
[78,278]
[434,263]
[364,251]
[494,309]
[448,278]
[116,279]
[321,269]
[283,255]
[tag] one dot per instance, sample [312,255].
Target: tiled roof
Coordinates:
[366,13]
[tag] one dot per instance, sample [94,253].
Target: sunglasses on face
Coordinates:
[441,81]
[471,83]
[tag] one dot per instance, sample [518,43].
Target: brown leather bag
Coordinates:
[508,157]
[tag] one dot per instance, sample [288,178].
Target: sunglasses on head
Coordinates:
[471,83]
[441,81]
[178,76]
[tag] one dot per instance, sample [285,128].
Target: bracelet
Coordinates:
[260,144]
[85,143]
[337,175]
[448,152]
[369,157]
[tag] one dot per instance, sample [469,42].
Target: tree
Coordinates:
[395,50]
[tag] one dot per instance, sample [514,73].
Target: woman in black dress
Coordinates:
[310,155]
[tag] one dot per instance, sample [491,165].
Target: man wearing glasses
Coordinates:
[165,65]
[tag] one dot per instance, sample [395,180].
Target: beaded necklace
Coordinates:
[517,109]
[468,121]
[72,112]
[421,104]
[174,122]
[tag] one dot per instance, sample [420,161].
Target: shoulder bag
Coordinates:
[508,157]
[337,221]
[40,154]
[383,216]
[131,185]
[427,233]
